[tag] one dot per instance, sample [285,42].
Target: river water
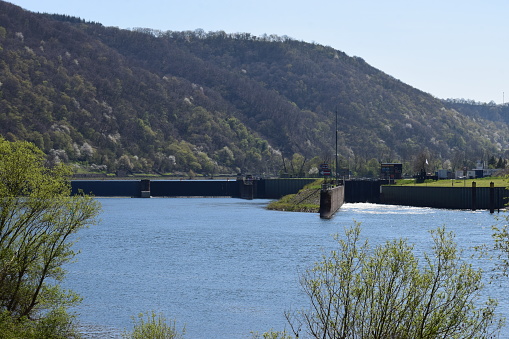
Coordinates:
[227,267]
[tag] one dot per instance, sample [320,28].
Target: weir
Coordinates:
[467,198]
[354,191]
[245,188]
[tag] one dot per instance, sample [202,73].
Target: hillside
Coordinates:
[479,110]
[212,102]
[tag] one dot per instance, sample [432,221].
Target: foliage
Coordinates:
[501,246]
[153,326]
[480,110]
[500,237]
[356,292]
[273,335]
[38,218]
[216,102]
[57,324]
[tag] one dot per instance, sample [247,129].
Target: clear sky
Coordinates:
[448,48]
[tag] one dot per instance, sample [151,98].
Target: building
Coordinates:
[391,170]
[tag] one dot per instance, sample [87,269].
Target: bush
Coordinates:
[387,292]
[272,335]
[153,326]
[57,324]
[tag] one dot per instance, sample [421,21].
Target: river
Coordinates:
[227,267]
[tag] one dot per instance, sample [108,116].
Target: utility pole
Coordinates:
[337,146]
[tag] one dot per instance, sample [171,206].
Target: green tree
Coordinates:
[492,162]
[422,161]
[500,163]
[501,246]
[153,326]
[388,293]
[373,168]
[38,218]
[297,165]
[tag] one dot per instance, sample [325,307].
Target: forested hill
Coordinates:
[480,110]
[212,102]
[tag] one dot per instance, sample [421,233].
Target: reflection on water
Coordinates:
[226,267]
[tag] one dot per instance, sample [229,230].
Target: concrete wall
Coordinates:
[277,188]
[331,200]
[363,191]
[108,188]
[436,197]
[260,189]
[190,188]
[445,197]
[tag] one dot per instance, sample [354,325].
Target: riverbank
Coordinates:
[306,200]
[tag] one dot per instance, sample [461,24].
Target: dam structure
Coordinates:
[331,200]
[244,187]
[351,191]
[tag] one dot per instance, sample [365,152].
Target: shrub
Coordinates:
[153,326]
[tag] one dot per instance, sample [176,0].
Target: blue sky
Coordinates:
[448,48]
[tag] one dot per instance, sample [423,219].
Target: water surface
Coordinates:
[225,267]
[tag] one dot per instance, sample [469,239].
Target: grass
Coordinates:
[306,200]
[480,182]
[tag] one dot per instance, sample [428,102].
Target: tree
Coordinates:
[500,163]
[373,168]
[38,218]
[388,293]
[492,162]
[421,162]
